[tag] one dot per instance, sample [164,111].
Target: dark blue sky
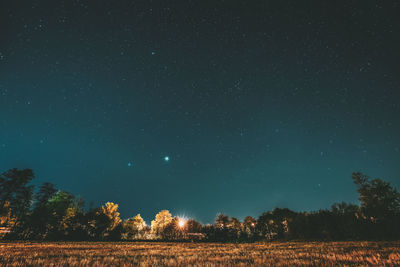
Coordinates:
[257,105]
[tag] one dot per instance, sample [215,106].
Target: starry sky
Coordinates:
[201,107]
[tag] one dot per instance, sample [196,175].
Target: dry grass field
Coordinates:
[203,254]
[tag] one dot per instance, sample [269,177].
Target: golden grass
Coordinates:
[202,254]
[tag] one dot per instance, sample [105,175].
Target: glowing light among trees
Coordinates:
[181,222]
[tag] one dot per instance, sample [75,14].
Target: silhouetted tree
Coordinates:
[17,195]
[221,229]
[275,224]
[193,226]
[15,190]
[58,215]
[63,221]
[249,227]
[346,221]
[222,220]
[41,215]
[172,231]
[378,198]
[301,227]
[46,192]
[224,229]
[380,206]
[236,228]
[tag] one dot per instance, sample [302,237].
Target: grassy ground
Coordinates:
[203,254]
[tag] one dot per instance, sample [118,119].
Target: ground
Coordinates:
[199,254]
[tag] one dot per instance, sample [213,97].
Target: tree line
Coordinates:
[52,214]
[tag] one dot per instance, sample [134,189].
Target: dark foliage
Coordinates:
[52,214]
[15,190]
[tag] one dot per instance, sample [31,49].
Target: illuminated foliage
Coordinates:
[134,228]
[5,213]
[104,222]
[111,211]
[162,219]
[58,215]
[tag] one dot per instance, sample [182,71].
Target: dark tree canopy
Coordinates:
[15,190]
[378,198]
[53,214]
[46,192]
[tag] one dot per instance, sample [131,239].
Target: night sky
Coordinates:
[201,107]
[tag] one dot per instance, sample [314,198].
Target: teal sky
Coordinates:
[256,105]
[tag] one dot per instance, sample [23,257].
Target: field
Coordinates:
[199,254]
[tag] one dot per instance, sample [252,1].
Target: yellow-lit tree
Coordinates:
[5,213]
[105,223]
[134,228]
[110,210]
[162,219]
[6,218]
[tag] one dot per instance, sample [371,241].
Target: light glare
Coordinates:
[181,223]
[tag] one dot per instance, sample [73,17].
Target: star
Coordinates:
[129,164]
[166,158]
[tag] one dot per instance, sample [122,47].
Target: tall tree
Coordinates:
[275,224]
[172,230]
[222,230]
[193,226]
[62,208]
[104,222]
[379,200]
[235,227]
[46,192]
[111,211]
[41,215]
[249,226]
[162,219]
[346,221]
[222,221]
[15,190]
[134,228]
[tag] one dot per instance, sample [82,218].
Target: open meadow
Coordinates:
[199,254]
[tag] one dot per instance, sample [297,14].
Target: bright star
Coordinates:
[166,158]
